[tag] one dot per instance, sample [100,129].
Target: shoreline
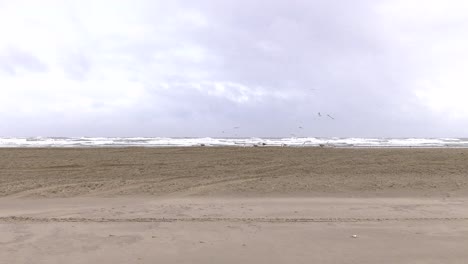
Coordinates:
[235,146]
[226,142]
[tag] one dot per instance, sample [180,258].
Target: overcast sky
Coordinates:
[380,68]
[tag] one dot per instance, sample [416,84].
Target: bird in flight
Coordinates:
[330,116]
[319,114]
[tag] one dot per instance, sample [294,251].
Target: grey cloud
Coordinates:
[76,65]
[14,60]
[330,47]
[335,47]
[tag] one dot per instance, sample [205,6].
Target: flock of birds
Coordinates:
[328,115]
[319,114]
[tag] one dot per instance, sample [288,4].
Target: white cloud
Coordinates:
[431,36]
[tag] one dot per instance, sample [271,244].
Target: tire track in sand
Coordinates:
[26,219]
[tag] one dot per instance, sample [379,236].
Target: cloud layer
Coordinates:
[198,68]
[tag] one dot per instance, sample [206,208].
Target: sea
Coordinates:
[85,142]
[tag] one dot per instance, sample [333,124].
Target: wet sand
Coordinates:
[231,205]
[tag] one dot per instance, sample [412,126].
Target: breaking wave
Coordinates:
[207,141]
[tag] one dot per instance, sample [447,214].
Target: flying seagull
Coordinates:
[319,114]
[330,116]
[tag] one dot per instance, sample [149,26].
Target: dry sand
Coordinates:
[233,205]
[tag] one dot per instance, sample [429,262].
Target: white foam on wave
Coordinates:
[207,141]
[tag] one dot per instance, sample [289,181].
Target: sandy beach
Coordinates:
[233,205]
